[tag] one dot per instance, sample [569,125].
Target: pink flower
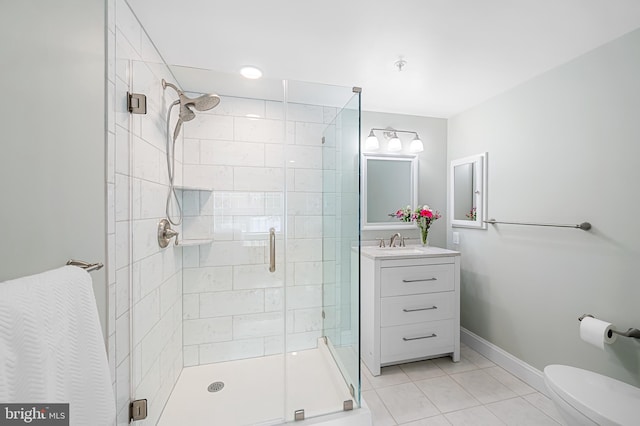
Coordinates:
[426,213]
[399,213]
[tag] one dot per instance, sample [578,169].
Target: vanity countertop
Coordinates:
[375,252]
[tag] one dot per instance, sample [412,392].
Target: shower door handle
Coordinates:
[272,250]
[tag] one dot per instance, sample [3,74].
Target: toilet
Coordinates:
[586,398]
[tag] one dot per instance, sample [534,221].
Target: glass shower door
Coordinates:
[341,290]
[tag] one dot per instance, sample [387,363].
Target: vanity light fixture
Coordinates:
[395,144]
[371,144]
[416,145]
[251,73]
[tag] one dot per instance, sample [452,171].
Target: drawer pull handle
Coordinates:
[422,279]
[406,339]
[419,309]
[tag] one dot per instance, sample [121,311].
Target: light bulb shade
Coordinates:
[371,144]
[416,145]
[394,144]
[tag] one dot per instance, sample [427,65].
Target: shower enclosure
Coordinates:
[251,315]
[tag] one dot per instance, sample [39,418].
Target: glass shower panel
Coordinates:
[320,131]
[253,314]
[208,312]
[341,241]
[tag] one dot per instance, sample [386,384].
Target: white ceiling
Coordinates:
[458,52]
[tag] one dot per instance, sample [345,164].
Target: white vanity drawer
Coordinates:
[406,342]
[400,310]
[398,281]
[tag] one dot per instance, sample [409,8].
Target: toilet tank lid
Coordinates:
[601,398]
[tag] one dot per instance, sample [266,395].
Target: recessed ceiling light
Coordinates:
[251,72]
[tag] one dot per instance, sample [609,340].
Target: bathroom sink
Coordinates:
[399,250]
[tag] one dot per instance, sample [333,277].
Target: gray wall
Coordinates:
[53,133]
[563,148]
[432,167]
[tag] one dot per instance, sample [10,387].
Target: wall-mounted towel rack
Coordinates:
[89,267]
[585,226]
[632,332]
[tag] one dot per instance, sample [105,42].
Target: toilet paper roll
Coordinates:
[596,332]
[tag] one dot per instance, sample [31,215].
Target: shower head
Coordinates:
[201,103]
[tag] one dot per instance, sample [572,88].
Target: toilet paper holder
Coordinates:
[632,332]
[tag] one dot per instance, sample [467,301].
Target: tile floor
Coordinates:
[440,392]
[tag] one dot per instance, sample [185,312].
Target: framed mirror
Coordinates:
[389,183]
[468,192]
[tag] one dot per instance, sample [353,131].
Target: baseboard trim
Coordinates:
[528,374]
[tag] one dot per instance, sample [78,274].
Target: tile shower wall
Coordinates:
[234,307]
[137,185]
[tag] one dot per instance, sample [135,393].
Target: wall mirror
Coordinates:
[389,183]
[468,192]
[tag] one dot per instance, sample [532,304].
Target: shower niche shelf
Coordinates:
[193,188]
[194,242]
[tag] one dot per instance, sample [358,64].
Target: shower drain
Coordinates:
[215,387]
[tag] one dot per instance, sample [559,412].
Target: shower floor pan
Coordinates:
[254,392]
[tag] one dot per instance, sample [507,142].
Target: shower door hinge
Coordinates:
[323,315]
[325,340]
[136,103]
[347,405]
[357,89]
[298,415]
[352,391]
[138,410]
[323,140]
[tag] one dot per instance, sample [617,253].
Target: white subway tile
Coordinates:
[274,155]
[304,112]
[191,306]
[308,227]
[145,238]
[238,203]
[307,320]
[209,126]
[170,293]
[273,299]
[258,325]
[329,161]
[128,24]
[122,188]
[207,279]
[303,341]
[275,110]
[239,107]
[308,273]
[207,330]
[229,351]
[121,302]
[258,130]
[197,227]
[191,355]
[251,228]
[111,319]
[122,244]
[122,338]
[274,345]
[191,257]
[305,203]
[257,276]
[308,180]
[232,253]
[329,114]
[147,160]
[309,134]
[146,314]
[303,250]
[274,203]
[217,177]
[304,157]
[232,153]
[122,151]
[191,151]
[258,179]
[225,303]
[223,228]
[152,200]
[122,385]
[307,296]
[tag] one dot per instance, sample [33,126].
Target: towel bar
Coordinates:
[89,267]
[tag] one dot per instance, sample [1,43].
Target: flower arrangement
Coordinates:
[472,214]
[422,216]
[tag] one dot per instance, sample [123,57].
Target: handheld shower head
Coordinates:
[201,103]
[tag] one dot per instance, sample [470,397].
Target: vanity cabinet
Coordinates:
[410,305]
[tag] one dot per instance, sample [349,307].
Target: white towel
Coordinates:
[51,345]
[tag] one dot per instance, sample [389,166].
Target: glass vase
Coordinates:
[424,234]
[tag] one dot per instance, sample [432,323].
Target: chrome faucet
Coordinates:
[392,242]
